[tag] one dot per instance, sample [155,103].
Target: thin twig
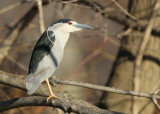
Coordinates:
[54,81]
[124,10]
[136,25]
[155,91]
[3,94]
[41,17]
[6,9]
[8,41]
[155,100]
[125,33]
[17,63]
[70,1]
[12,6]
[13,34]
[140,53]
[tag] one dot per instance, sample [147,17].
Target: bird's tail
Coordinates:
[32,83]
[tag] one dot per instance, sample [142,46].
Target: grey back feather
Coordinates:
[42,48]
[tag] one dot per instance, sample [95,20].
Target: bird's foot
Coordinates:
[52,96]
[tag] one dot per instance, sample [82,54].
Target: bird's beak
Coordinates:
[82,26]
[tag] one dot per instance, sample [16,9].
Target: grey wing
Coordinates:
[41,49]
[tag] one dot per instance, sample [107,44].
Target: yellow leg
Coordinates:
[50,90]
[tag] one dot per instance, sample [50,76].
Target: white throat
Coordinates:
[61,38]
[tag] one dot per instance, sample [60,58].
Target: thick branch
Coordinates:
[67,105]
[66,102]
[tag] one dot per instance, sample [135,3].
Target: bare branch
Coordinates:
[11,7]
[66,102]
[136,25]
[17,63]
[41,17]
[140,53]
[54,81]
[155,100]
[124,10]
[125,33]
[8,41]
[145,40]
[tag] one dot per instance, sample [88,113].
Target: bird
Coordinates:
[48,53]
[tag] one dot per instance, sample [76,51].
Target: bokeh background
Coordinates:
[91,56]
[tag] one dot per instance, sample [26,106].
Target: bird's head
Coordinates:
[68,25]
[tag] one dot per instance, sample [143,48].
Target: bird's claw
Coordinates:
[52,96]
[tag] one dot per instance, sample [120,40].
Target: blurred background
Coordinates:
[104,56]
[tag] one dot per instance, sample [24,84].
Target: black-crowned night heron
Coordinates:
[48,53]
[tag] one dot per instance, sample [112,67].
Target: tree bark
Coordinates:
[124,68]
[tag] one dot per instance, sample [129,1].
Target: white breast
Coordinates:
[49,63]
[59,45]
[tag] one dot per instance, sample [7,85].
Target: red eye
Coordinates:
[69,23]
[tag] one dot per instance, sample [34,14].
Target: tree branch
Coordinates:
[66,102]
[130,22]
[140,53]
[54,81]
[124,10]
[41,16]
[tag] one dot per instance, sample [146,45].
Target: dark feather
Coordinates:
[42,48]
[61,21]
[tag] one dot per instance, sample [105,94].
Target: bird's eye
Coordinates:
[70,23]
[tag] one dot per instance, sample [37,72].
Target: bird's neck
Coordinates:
[61,38]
